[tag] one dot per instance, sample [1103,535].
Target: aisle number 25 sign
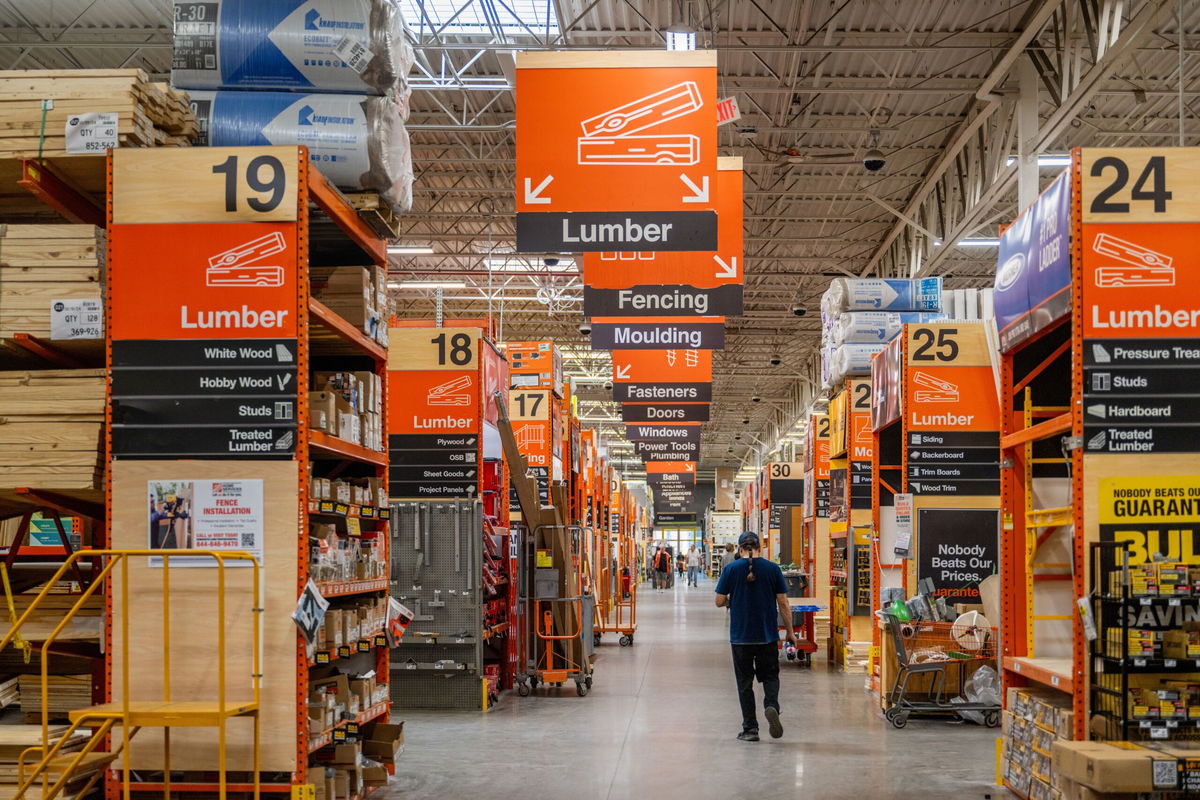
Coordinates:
[1140,184]
[205,184]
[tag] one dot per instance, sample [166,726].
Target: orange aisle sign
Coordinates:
[662,366]
[440,379]
[234,280]
[671,466]
[529,411]
[950,385]
[705,270]
[616,151]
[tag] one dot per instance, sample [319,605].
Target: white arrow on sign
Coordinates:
[727,270]
[623,372]
[690,467]
[534,196]
[699,194]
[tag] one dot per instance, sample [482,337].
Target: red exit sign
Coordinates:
[728,111]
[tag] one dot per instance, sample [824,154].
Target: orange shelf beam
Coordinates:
[1043,430]
[1052,672]
[337,324]
[43,182]
[331,201]
[332,445]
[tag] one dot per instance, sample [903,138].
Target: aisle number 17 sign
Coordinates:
[616,151]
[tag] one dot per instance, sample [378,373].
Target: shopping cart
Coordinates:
[803,609]
[930,648]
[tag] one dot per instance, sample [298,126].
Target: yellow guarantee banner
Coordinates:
[1152,515]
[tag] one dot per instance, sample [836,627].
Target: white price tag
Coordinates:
[77,318]
[1159,733]
[94,132]
[353,53]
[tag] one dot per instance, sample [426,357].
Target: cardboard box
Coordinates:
[341,783]
[336,685]
[1070,790]
[374,777]
[346,754]
[383,741]
[1107,767]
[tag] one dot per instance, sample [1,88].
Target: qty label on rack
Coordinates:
[94,132]
[77,318]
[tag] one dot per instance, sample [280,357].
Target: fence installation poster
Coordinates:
[213,515]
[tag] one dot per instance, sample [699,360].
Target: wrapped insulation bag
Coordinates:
[882,294]
[357,142]
[355,46]
[866,327]
[854,359]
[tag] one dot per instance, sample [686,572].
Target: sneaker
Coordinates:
[748,736]
[773,723]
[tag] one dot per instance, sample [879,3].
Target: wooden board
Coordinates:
[193,612]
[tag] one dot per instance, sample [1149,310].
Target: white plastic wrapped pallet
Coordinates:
[355,46]
[357,142]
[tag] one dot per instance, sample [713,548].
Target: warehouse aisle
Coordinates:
[660,723]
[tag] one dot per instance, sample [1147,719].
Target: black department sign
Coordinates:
[663,433]
[665,412]
[662,392]
[634,335]
[663,301]
[615,231]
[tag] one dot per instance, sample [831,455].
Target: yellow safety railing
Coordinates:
[105,718]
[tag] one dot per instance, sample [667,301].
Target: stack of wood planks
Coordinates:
[15,739]
[67,693]
[51,429]
[41,265]
[149,114]
[84,626]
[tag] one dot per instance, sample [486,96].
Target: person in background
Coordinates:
[754,590]
[728,556]
[693,566]
[662,568]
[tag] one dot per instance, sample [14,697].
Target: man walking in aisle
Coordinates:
[693,566]
[754,590]
[662,568]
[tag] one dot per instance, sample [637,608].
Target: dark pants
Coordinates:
[751,661]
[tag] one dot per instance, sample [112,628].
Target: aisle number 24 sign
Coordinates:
[1140,184]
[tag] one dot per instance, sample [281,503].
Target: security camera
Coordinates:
[608,386]
[746,421]
[874,160]
[776,359]
[550,262]
[737,437]
[755,399]
[585,327]
[799,310]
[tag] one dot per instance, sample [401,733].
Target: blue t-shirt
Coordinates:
[753,613]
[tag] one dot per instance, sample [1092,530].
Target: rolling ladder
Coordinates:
[51,770]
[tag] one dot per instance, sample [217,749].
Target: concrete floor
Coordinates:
[660,723]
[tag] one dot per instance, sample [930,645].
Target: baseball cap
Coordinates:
[748,539]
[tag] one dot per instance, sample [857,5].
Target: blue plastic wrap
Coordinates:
[353,46]
[357,142]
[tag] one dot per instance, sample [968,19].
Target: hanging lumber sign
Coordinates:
[1141,299]
[616,151]
[720,267]
[665,412]
[658,333]
[1033,273]
[672,432]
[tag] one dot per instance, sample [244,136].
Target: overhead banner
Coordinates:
[615,333]
[677,432]
[1141,299]
[721,267]
[1033,274]
[665,412]
[616,151]
[662,366]
[655,300]
[678,392]
[667,451]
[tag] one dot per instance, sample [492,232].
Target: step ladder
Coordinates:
[51,770]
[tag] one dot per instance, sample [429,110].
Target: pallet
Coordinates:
[378,215]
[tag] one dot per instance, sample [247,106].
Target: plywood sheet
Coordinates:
[193,665]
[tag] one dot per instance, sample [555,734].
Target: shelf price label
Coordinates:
[1140,184]
[205,184]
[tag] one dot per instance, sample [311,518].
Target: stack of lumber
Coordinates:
[9,691]
[42,264]
[856,657]
[14,739]
[51,429]
[821,628]
[84,626]
[67,693]
[377,213]
[149,114]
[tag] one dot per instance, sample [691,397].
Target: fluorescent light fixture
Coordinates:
[1047,160]
[409,250]
[516,264]
[680,37]
[427,284]
[599,419]
[971,243]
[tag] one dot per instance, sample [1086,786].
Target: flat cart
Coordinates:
[803,609]
[931,648]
